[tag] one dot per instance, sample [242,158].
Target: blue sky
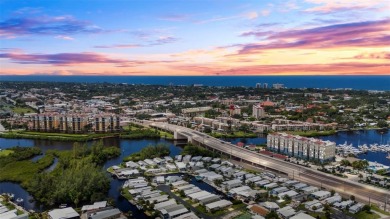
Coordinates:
[189,37]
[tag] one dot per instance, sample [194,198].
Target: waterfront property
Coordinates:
[301,147]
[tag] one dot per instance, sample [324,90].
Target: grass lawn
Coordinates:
[376,208]
[365,215]
[245,215]
[238,134]
[166,135]
[4,153]
[20,110]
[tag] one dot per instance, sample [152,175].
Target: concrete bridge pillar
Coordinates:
[178,136]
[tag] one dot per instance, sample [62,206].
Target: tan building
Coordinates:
[47,122]
[301,147]
[106,123]
[73,123]
[258,111]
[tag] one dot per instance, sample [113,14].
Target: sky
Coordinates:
[194,37]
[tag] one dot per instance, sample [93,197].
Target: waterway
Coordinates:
[130,146]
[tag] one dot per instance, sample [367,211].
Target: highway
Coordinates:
[345,187]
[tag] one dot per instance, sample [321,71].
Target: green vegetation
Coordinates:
[149,152]
[376,208]
[18,168]
[78,177]
[193,150]
[4,153]
[238,134]
[22,110]
[135,131]
[244,215]
[314,133]
[53,136]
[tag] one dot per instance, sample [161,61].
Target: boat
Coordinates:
[19,200]
[199,178]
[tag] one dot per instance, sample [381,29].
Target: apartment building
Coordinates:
[73,123]
[301,147]
[106,123]
[258,111]
[46,122]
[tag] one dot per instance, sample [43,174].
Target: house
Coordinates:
[181,166]
[232,184]
[179,158]
[320,195]
[286,212]
[131,164]
[299,186]
[192,190]
[106,214]
[189,215]
[290,194]
[214,166]
[262,183]
[64,213]
[271,206]
[356,208]
[196,158]
[149,162]
[160,180]
[208,199]
[171,179]
[158,160]
[216,160]
[165,204]
[187,159]
[95,206]
[333,199]
[344,204]
[207,159]
[271,185]
[168,159]
[218,205]
[302,216]
[258,210]
[309,205]
[179,183]
[279,190]
[171,167]
[309,189]
[235,191]
[173,211]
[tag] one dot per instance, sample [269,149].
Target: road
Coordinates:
[363,193]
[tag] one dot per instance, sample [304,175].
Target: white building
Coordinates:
[258,111]
[297,146]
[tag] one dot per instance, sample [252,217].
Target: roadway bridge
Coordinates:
[362,192]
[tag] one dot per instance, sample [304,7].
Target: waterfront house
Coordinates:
[218,205]
[63,213]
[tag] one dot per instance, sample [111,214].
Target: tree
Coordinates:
[367,208]
[382,124]
[352,198]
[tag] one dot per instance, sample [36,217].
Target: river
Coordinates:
[130,146]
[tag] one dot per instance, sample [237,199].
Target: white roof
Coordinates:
[198,194]
[63,213]
[95,205]
[221,204]
[189,215]
[302,216]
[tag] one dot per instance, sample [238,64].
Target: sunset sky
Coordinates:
[194,37]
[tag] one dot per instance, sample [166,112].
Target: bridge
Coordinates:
[345,187]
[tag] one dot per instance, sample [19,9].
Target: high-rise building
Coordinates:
[258,111]
[47,122]
[106,123]
[258,85]
[265,85]
[301,147]
[278,86]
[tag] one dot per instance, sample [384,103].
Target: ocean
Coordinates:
[332,82]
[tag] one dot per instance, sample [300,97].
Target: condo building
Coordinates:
[258,111]
[106,123]
[301,147]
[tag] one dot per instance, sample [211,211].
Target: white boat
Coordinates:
[19,200]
